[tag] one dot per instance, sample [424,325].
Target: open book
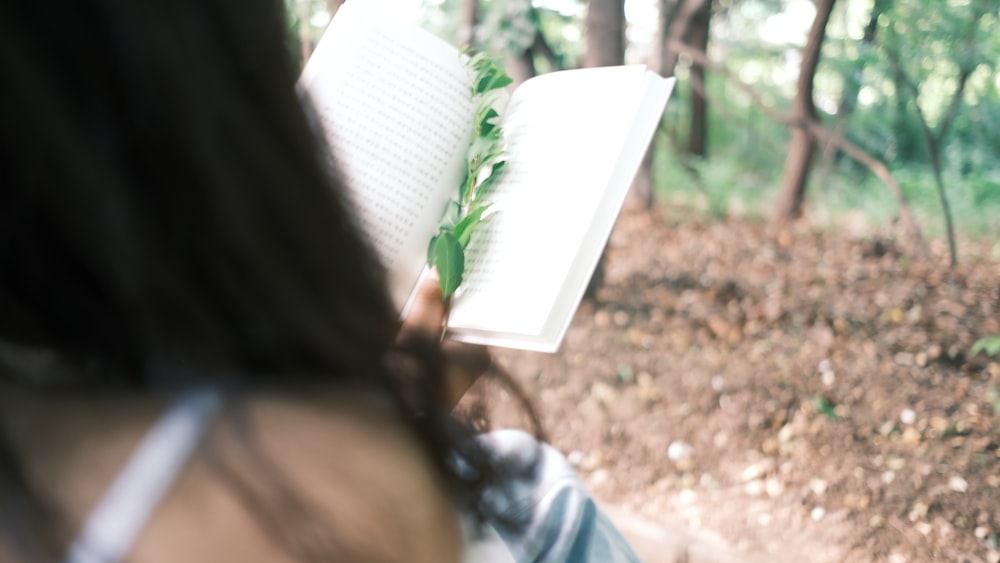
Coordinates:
[395,103]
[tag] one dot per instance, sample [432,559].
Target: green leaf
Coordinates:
[990,345]
[479,61]
[431,256]
[479,147]
[484,159]
[492,80]
[452,214]
[463,187]
[487,183]
[465,227]
[489,76]
[488,123]
[449,257]
[825,407]
[502,81]
[481,85]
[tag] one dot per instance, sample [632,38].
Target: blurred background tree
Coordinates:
[899,101]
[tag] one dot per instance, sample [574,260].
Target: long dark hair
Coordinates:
[168,216]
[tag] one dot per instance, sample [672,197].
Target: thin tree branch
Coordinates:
[677,34]
[467,23]
[541,46]
[965,71]
[934,139]
[933,146]
[956,102]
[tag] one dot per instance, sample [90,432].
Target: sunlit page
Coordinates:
[562,149]
[395,105]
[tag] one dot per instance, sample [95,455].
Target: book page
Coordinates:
[395,105]
[565,133]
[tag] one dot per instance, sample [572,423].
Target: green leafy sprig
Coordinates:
[485,159]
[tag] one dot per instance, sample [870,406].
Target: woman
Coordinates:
[168,223]
[199,360]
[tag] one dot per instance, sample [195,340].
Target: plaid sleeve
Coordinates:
[547,514]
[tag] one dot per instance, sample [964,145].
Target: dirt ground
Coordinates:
[804,395]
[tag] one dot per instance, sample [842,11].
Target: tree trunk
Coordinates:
[698,38]
[678,24]
[852,87]
[667,11]
[605,33]
[800,149]
[520,66]
[541,47]
[642,186]
[852,82]
[333,5]
[674,20]
[605,47]
[467,23]
[305,42]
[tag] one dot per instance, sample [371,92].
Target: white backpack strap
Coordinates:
[119,517]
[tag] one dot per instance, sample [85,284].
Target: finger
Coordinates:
[467,358]
[427,311]
[464,364]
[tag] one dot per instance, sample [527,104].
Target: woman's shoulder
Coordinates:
[326,471]
[274,474]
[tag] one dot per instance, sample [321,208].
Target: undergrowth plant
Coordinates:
[990,345]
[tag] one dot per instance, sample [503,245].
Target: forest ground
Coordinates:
[805,395]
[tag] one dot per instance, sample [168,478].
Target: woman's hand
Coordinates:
[464,363]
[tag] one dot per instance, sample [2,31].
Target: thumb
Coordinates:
[427,311]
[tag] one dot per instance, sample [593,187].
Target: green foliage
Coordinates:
[306,20]
[489,77]
[293,24]
[449,257]
[745,156]
[465,227]
[508,26]
[857,94]
[624,373]
[855,90]
[934,62]
[825,407]
[974,197]
[485,159]
[990,345]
